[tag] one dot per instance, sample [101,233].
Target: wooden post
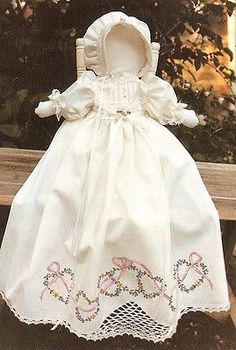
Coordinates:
[155,56]
[80,65]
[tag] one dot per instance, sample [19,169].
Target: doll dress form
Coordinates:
[110,233]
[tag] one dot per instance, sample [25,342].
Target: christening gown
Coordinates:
[114,231]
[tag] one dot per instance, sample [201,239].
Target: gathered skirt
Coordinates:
[113,233]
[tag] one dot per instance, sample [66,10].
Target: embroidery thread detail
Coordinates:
[194,263]
[51,278]
[112,284]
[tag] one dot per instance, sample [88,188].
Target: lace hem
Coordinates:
[118,324]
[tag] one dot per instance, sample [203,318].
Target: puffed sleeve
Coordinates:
[161,103]
[74,103]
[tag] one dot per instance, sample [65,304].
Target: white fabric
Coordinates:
[124,48]
[110,234]
[95,42]
[161,103]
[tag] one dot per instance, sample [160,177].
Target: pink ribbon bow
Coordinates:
[54,268]
[194,260]
[123,263]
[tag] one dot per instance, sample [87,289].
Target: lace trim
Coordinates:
[174,115]
[116,324]
[57,103]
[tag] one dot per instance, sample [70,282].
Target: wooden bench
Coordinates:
[17,164]
[220,180]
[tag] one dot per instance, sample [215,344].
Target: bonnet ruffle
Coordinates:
[93,52]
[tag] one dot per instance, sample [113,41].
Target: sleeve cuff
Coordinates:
[57,103]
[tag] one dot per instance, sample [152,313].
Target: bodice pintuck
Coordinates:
[118,94]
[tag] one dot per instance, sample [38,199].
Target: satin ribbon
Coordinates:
[73,245]
[79,242]
[137,120]
[140,122]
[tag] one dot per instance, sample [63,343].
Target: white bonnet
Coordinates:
[98,29]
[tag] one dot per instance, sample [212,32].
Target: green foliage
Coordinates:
[37,54]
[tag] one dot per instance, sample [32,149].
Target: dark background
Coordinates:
[37,54]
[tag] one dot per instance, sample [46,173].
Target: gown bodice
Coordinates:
[119,94]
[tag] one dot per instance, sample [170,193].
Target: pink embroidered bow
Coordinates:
[54,268]
[122,262]
[194,260]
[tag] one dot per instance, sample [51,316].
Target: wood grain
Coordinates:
[17,164]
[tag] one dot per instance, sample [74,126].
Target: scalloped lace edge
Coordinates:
[96,336]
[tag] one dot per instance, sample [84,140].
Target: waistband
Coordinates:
[119,112]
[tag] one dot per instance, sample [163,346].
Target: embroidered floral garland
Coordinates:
[198,266]
[110,283]
[53,275]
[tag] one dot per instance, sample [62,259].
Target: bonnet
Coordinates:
[96,37]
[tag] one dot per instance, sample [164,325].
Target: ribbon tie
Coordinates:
[123,263]
[194,260]
[54,268]
[57,103]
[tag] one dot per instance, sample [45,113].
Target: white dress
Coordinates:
[114,231]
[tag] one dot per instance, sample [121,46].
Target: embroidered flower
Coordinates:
[111,283]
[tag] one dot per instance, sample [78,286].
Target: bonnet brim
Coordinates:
[97,30]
